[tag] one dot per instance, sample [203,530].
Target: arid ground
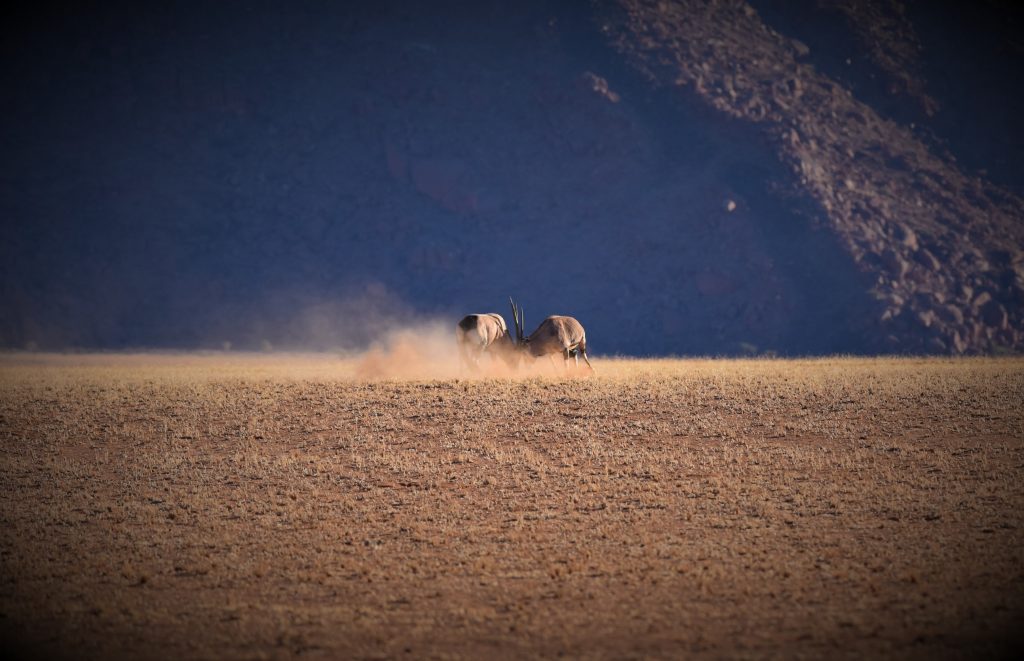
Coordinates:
[220,507]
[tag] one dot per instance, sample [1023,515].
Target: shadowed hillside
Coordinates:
[681,179]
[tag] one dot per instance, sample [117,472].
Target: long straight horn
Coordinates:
[515,319]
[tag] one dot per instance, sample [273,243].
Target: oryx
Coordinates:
[477,334]
[556,334]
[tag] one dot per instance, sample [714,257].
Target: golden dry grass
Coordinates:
[189,506]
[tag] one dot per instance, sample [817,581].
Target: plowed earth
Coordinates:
[267,507]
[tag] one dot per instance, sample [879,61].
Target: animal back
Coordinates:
[556,334]
[482,329]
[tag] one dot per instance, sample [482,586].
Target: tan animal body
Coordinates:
[557,334]
[477,334]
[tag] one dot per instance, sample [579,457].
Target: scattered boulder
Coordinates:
[906,236]
[800,49]
[957,342]
[925,258]
[926,317]
[894,263]
[994,314]
[951,314]
[599,85]
[980,300]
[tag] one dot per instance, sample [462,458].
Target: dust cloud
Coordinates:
[425,351]
[428,351]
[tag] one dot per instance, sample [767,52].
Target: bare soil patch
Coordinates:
[275,506]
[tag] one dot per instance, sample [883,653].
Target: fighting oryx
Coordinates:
[556,334]
[477,334]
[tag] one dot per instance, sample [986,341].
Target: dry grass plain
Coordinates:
[219,507]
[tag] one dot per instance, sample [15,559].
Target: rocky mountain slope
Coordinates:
[944,246]
[685,178]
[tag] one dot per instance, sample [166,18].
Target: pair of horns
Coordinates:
[517,317]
